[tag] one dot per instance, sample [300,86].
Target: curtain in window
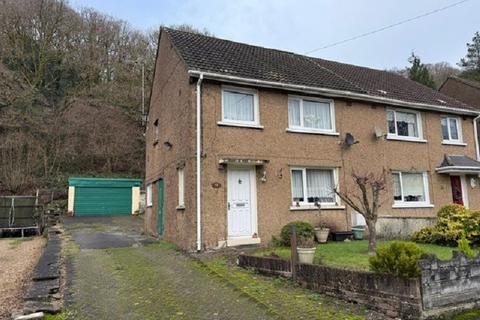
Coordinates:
[407,124]
[297,185]
[316,115]
[238,106]
[453,129]
[320,185]
[391,121]
[294,112]
[397,188]
[444,123]
[413,189]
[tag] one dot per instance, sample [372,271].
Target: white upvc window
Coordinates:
[410,189]
[451,129]
[240,106]
[404,125]
[181,187]
[149,195]
[310,114]
[313,185]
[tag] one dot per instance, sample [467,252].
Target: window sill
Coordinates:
[241,125]
[452,143]
[406,139]
[327,133]
[180,208]
[310,208]
[412,205]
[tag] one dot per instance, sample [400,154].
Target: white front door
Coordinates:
[240,205]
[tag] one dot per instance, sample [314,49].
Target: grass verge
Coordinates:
[280,296]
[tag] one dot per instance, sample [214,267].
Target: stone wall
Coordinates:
[444,286]
[450,285]
[388,295]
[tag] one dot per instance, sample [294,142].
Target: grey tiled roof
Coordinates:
[209,54]
[459,161]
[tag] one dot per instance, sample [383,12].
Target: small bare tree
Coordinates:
[366,201]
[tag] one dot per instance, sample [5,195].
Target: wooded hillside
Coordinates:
[70,94]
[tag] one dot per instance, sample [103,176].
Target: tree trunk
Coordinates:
[372,237]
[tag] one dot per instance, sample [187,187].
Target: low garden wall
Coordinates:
[443,287]
[450,285]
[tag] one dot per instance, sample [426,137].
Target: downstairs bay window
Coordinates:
[410,189]
[313,185]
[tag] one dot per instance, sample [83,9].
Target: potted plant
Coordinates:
[322,230]
[306,250]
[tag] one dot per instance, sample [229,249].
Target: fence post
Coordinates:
[293,250]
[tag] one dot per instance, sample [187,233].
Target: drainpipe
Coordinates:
[198,160]
[475,132]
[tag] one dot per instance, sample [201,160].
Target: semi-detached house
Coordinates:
[243,139]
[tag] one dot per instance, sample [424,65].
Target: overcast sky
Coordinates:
[301,26]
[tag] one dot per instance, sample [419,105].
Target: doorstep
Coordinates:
[242,241]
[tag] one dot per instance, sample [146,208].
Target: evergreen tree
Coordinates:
[471,62]
[418,72]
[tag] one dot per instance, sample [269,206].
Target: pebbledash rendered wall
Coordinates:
[173,106]
[444,286]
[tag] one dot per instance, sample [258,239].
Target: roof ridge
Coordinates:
[336,74]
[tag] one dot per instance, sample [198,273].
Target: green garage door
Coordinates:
[95,201]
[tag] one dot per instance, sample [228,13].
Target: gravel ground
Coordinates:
[18,257]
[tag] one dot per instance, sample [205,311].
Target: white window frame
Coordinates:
[302,128]
[149,193]
[395,136]
[458,141]
[305,202]
[256,112]
[412,204]
[181,188]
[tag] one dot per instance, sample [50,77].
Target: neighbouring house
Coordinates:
[103,196]
[464,90]
[243,139]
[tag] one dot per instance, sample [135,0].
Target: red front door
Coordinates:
[456,190]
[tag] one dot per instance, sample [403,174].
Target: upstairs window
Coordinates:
[404,124]
[240,106]
[451,130]
[310,114]
[310,186]
[156,136]
[410,189]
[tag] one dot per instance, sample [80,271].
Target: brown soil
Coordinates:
[18,257]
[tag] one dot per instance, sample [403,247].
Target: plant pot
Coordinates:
[358,232]
[306,255]
[322,234]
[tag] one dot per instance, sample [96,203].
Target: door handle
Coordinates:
[228,205]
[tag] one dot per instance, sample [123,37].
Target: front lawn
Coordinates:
[351,255]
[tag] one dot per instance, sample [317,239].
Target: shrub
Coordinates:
[454,221]
[304,230]
[464,246]
[399,259]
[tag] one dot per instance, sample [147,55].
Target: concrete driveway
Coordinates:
[114,272]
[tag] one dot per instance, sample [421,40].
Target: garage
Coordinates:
[103,196]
